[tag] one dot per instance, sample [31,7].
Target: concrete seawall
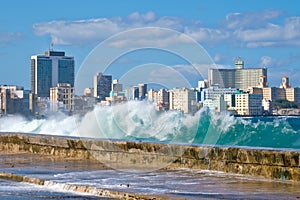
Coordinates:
[267,163]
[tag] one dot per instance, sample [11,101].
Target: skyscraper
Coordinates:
[142,91]
[50,69]
[239,77]
[102,85]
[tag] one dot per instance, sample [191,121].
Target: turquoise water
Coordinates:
[139,121]
[212,129]
[274,132]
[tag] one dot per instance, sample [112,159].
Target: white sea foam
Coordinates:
[138,120]
[134,119]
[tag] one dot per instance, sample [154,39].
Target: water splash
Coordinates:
[139,121]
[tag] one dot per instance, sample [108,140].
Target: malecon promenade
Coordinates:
[271,166]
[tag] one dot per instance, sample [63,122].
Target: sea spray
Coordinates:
[58,124]
[139,121]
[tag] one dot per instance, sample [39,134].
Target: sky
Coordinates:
[263,33]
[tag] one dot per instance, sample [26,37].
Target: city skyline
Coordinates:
[261,34]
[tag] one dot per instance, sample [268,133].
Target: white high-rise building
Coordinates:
[239,77]
[50,69]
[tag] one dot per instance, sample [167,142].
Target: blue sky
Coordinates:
[262,33]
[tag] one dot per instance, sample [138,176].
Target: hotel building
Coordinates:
[239,77]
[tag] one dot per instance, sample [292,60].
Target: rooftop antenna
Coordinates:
[51,46]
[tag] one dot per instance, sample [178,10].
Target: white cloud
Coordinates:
[149,16]
[272,34]
[220,58]
[207,35]
[250,19]
[81,32]
[252,30]
[265,61]
[146,37]
[77,32]
[288,61]
[183,75]
[8,37]
[292,28]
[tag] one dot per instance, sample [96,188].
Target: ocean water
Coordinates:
[176,183]
[23,191]
[180,183]
[138,121]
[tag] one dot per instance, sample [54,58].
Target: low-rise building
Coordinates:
[183,99]
[214,92]
[293,94]
[14,99]
[266,104]
[84,104]
[138,92]
[202,84]
[218,104]
[284,92]
[88,92]
[62,98]
[116,86]
[114,98]
[160,98]
[132,93]
[248,104]
[274,93]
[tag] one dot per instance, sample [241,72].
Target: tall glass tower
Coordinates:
[50,69]
[102,85]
